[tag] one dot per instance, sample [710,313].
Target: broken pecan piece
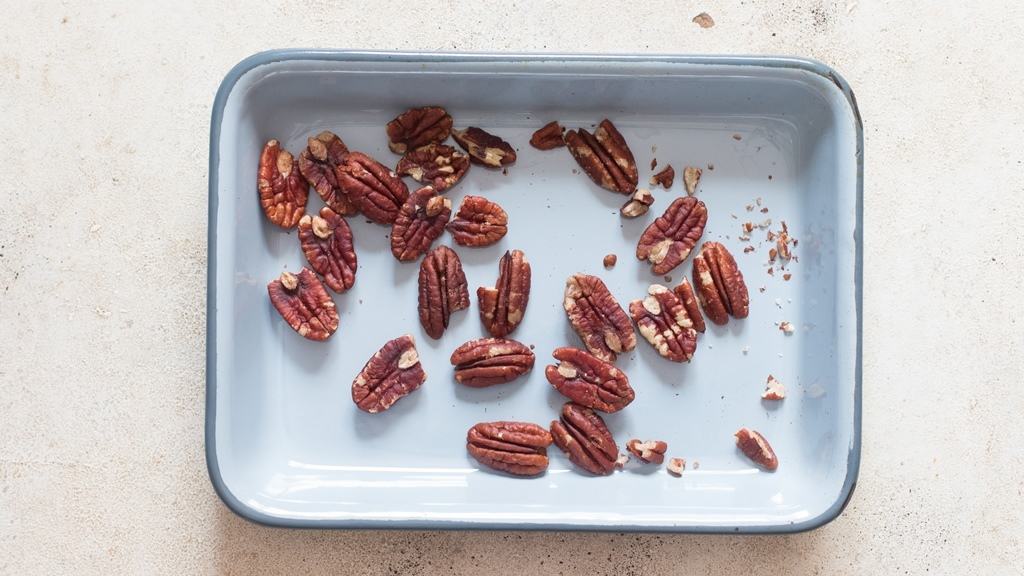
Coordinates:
[676,466]
[420,221]
[598,319]
[318,163]
[442,290]
[304,304]
[327,243]
[664,322]
[638,204]
[488,361]
[605,157]
[665,177]
[585,438]
[391,374]
[479,222]
[685,293]
[377,191]
[671,237]
[723,292]
[649,452]
[485,148]
[773,389]
[437,165]
[548,137]
[589,381]
[691,176]
[283,191]
[502,307]
[755,447]
[417,127]
[518,448]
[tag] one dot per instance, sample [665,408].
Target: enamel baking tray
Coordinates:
[285,444]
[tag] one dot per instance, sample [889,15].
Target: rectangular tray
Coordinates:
[285,444]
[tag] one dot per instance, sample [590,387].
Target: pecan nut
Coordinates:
[589,381]
[756,447]
[685,293]
[442,288]
[638,204]
[605,157]
[327,243]
[585,438]
[372,187]
[304,304]
[723,292]
[664,322]
[488,361]
[598,319]
[417,127]
[283,191]
[518,448]
[671,237]
[485,148]
[502,307]
[390,375]
[665,177]
[479,222]
[420,221]
[318,163]
[549,137]
[649,452]
[435,164]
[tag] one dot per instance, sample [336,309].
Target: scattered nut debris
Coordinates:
[704,20]
[648,452]
[610,260]
[772,253]
[638,204]
[665,177]
[764,210]
[737,137]
[786,327]
[787,276]
[767,223]
[691,177]
[773,389]
[750,249]
[621,461]
[711,166]
[761,289]
[676,466]
[654,164]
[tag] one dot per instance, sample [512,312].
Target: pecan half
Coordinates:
[479,222]
[649,452]
[502,307]
[327,243]
[585,438]
[723,292]
[665,177]
[548,137]
[283,191]
[318,163]
[589,381]
[488,361]
[443,290]
[417,127]
[435,164]
[638,204]
[685,293]
[377,191]
[671,237]
[598,319]
[605,157]
[390,375]
[664,322]
[755,447]
[518,448]
[420,221]
[485,148]
[304,304]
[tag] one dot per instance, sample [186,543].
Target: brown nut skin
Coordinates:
[418,127]
[665,324]
[756,447]
[589,381]
[597,318]
[489,361]
[283,191]
[479,222]
[605,157]
[442,290]
[671,237]
[585,438]
[484,148]
[720,284]
[435,164]
[420,221]
[649,452]
[391,374]
[327,243]
[665,177]
[502,307]
[318,163]
[684,291]
[518,448]
[377,191]
[548,137]
[304,304]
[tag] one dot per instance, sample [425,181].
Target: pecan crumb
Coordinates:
[654,163]
[691,177]
[761,289]
[668,279]
[764,210]
[704,20]
[772,253]
[610,260]
[787,276]
[665,177]
[748,227]
[771,271]
[676,466]
[773,389]
[786,327]
[748,249]
[737,137]
[750,207]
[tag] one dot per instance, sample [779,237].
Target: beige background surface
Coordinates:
[105,117]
